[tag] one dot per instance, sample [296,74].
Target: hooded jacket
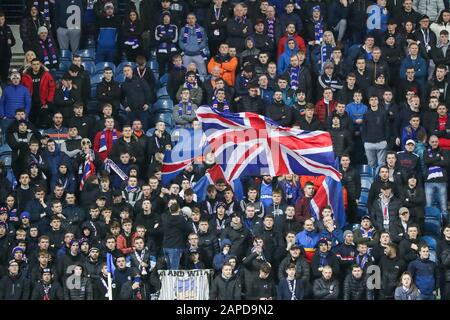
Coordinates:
[284,59]
[225,289]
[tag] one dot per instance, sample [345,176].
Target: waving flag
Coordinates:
[190,147]
[212,175]
[87,170]
[330,194]
[251,144]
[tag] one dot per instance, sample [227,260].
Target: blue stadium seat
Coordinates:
[91,43]
[432,228]
[119,77]
[162,93]
[430,241]
[64,65]
[362,211]
[366,170]
[364,197]
[89,66]
[99,67]
[366,182]
[6,158]
[163,106]
[65,55]
[433,213]
[356,226]
[93,90]
[153,64]
[96,78]
[163,80]
[166,118]
[150,132]
[87,54]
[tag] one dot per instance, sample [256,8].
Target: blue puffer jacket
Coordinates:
[424,273]
[14,97]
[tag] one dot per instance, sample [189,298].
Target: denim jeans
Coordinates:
[173,256]
[375,153]
[437,191]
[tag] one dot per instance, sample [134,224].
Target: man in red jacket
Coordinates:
[41,85]
[325,106]
[291,32]
[105,139]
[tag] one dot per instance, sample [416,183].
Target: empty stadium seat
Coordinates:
[93,90]
[163,80]
[366,182]
[89,66]
[166,118]
[162,106]
[162,93]
[64,65]
[432,228]
[65,55]
[95,79]
[119,77]
[364,197]
[87,54]
[6,158]
[366,170]
[433,213]
[362,211]
[430,241]
[99,67]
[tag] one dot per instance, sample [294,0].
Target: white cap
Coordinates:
[410,141]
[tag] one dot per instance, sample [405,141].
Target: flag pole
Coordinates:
[110,295]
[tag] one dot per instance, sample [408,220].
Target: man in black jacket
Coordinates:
[308,122]
[251,102]
[355,287]
[225,286]
[263,287]
[409,247]
[109,91]
[351,180]
[391,269]
[136,98]
[207,242]
[341,137]
[175,228]
[325,288]
[127,143]
[278,111]
[14,286]
[46,288]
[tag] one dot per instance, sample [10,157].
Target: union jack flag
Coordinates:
[87,170]
[251,144]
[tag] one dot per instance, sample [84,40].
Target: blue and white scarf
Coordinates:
[318,30]
[294,75]
[131,41]
[271,28]
[188,109]
[103,146]
[46,10]
[166,31]
[434,171]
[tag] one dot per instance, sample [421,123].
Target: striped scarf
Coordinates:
[49,53]
[103,146]
[318,30]
[45,10]
[434,171]
[294,73]
[188,108]
[132,41]
[271,28]
[165,31]
[198,33]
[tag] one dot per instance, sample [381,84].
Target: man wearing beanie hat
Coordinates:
[346,253]
[68,15]
[108,26]
[323,257]
[72,257]
[15,96]
[47,288]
